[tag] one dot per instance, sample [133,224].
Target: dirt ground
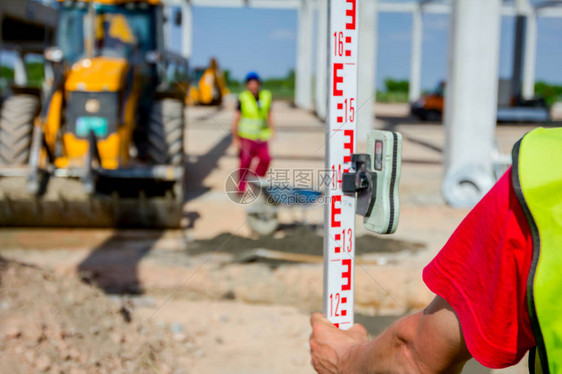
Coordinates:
[204,299]
[51,323]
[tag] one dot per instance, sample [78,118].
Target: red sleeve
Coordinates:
[482,273]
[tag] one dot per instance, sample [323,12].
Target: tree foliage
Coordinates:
[394,85]
[550,93]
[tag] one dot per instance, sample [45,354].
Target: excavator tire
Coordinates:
[16,128]
[165,132]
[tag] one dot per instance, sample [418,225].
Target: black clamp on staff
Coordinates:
[362,181]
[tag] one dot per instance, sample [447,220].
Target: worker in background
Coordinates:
[252,128]
[498,285]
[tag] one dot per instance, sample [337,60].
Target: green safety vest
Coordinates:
[537,180]
[253,119]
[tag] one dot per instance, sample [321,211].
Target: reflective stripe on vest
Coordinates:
[537,180]
[253,119]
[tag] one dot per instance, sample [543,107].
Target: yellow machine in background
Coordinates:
[103,145]
[209,85]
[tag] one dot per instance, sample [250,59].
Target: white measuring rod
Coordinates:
[339,220]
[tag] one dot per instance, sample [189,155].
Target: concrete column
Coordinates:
[20,71]
[366,67]
[322,60]
[471,105]
[186,29]
[416,59]
[1,37]
[518,52]
[530,56]
[303,84]
[167,20]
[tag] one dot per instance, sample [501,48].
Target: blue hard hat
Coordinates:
[251,76]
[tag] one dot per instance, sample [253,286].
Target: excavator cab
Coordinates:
[103,144]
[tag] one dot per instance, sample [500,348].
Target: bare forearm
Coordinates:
[388,353]
[270,122]
[235,124]
[426,342]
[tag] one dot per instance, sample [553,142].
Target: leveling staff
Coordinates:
[498,282]
[252,128]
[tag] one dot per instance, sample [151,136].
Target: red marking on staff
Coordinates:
[337,237]
[344,300]
[348,39]
[337,325]
[337,79]
[351,13]
[340,106]
[348,145]
[346,274]
[348,53]
[335,211]
[337,249]
[344,313]
[349,63]
[340,119]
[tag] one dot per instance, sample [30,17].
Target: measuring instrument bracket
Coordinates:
[362,181]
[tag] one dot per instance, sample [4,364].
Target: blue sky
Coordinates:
[264,40]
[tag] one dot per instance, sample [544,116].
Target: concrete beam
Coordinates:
[220,3]
[549,12]
[268,4]
[528,89]
[30,11]
[471,105]
[366,67]
[303,73]
[276,4]
[522,7]
[393,7]
[416,57]
[322,60]
[547,4]
[545,8]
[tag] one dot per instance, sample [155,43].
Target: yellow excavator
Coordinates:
[208,85]
[103,143]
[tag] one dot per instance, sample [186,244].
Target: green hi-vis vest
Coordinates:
[253,120]
[537,180]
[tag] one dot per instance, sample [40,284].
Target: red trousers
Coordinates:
[250,150]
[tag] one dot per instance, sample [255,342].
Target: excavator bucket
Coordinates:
[64,203]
